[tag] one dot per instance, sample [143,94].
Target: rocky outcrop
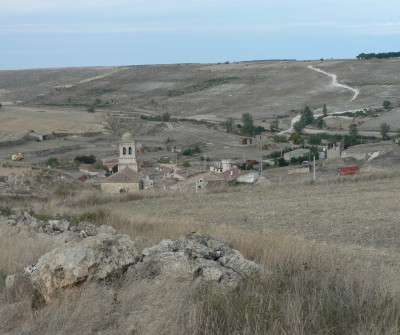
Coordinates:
[194,257]
[64,228]
[94,258]
[90,253]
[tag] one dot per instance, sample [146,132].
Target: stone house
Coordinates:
[125,181]
[219,167]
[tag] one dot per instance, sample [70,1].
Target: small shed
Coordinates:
[245,141]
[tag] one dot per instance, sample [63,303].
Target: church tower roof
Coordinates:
[127,138]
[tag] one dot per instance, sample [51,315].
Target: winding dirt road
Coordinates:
[335,83]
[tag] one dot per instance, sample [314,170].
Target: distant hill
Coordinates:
[263,88]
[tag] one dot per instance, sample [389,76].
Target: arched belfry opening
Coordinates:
[127,153]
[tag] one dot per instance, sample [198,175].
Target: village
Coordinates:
[128,173]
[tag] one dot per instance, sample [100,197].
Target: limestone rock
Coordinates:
[194,257]
[93,258]
[90,229]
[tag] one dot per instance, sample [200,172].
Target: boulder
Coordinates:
[88,228]
[194,257]
[59,225]
[94,258]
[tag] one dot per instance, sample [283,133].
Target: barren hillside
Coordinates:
[263,88]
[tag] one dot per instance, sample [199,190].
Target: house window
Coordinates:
[124,151]
[130,151]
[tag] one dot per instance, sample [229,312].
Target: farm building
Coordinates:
[219,167]
[85,168]
[296,154]
[250,177]
[78,175]
[245,141]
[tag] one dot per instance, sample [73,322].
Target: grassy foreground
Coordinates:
[316,286]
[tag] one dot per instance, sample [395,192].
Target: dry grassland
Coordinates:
[332,249]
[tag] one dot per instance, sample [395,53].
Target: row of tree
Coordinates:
[380,55]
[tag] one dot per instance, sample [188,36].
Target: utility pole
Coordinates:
[261,159]
[314,170]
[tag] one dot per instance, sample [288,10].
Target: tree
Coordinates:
[52,162]
[320,122]
[385,128]
[258,130]
[307,116]
[314,140]
[296,138]
[165,117]
[274,126]
[229,125]
[248,124]
[324,111]
[282,162]
[298,127]
[353,130]
[387,104]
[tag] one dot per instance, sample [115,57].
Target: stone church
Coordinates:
[128,178]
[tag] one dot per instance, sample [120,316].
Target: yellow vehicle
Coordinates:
[17,157]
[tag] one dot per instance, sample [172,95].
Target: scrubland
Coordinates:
[331,248]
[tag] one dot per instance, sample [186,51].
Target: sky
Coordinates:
[59,33]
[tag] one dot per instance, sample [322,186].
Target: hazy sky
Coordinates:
[60,33]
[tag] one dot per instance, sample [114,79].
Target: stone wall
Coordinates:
[114,188]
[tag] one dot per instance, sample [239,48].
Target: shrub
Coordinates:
[100,166]
[280,139]
[386,104]
[6,211]
[92,217]
[186,164]
[86,159]
[61,190]
[91,109]
[52,162]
